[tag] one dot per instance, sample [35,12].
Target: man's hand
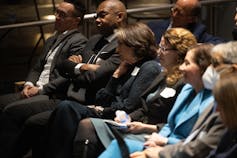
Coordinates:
[25,91]
[89,67]
[33,91]
[75,58]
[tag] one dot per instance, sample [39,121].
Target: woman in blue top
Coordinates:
[192,100]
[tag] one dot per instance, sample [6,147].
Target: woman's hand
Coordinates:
[139,154]
[152,152]
[136,127]
[155,139]
[121,70]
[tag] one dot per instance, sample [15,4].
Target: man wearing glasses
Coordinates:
[184,14]
[43,79]
[86,72]
[44,82]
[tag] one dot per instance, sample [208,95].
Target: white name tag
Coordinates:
[168,92]
[135,71]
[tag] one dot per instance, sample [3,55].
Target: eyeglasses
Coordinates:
[178,10]
[163,49]
[102,14]
[62,14]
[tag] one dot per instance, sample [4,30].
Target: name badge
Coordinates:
[135,71]
[168,92]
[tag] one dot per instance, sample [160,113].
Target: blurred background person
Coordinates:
[185,13]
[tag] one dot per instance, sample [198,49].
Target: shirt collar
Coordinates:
[110,38]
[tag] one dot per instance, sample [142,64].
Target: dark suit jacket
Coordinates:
[199,30]
[227,147]
[205,137]
[92,81]
[124,93]
[70,43]
[157,109]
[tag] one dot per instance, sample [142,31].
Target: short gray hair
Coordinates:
[227,50]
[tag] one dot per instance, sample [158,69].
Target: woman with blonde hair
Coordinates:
[209,127]
[157,100]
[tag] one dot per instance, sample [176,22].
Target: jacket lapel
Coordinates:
[62,37]
[109,46]
[199,103]
[192,109]
[182,97]
[154,84]
[106,50]
[202,118]
[62,41]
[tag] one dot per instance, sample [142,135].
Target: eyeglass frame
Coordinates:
[163,49]
[179,10]
[102,14]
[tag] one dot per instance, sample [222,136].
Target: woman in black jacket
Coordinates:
[156,100]
[137,49]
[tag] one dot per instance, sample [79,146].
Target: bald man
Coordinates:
[110,15]
[88,73]
[185,13]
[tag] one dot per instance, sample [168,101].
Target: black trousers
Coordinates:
[62,128]
[14,115]
[8,99]
[32,136]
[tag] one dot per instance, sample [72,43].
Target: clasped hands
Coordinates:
[29,91]
[98,109]
[153,146]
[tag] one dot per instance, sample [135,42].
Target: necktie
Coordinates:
[98,47]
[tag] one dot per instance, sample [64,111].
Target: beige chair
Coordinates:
[19,85]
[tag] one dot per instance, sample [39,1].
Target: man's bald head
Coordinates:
[185,12]
[111,14]
[117,7]
[191,7]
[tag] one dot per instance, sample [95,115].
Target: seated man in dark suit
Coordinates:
[184,14]
[43,79]
[86,72]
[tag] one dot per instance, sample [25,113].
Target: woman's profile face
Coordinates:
[168,56]
[126,53]
[191,71]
